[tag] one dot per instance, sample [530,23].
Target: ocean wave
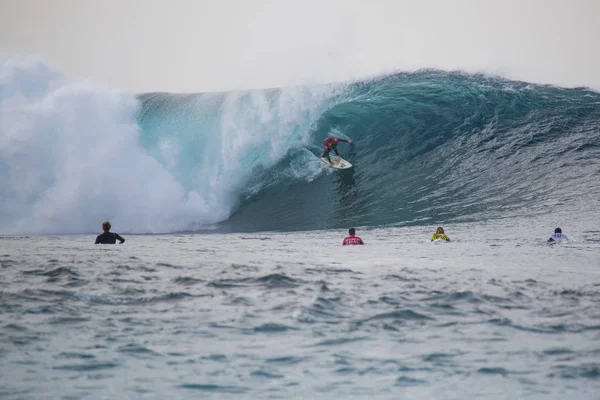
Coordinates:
[428,146]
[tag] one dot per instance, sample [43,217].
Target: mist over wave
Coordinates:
[73,154]
[70,157]
[428,146]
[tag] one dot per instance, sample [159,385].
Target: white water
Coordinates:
[71,153]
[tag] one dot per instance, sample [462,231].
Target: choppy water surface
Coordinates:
[296,315]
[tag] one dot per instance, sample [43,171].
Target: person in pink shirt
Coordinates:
[331,144]
[352,239]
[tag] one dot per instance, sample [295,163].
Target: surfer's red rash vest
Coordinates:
[352,240]
[334,141]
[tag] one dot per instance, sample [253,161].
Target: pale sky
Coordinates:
[200,45]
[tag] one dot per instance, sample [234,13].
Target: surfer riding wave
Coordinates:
[331,144]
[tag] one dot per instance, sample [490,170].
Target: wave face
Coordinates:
[428,147]
[432,147]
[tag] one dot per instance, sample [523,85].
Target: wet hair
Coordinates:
[558,230]
[352,231]
[106,226]
[439,230]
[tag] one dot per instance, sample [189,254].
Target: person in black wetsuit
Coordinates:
[108,237]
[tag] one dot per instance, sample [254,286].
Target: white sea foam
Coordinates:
[72,154]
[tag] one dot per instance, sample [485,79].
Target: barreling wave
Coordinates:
[428,146]
[437,146]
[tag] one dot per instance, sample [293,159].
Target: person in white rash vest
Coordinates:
[558,236]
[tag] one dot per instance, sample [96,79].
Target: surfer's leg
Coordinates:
[337,154]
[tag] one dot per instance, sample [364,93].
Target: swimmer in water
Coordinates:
[558,236]
[439,234]
[352,239]
[108,237]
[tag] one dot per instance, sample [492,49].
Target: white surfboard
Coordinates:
[342,164]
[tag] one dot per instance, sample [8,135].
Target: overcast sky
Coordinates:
[200,45]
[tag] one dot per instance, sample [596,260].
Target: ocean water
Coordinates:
[497,313]
[233,282]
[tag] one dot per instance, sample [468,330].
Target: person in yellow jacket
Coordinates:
[439,234]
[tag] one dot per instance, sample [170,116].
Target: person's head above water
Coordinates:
[352,231]
[439,230]
[106,226]
[558,230]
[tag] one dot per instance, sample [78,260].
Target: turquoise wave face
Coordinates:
[428,147]
[225,147]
